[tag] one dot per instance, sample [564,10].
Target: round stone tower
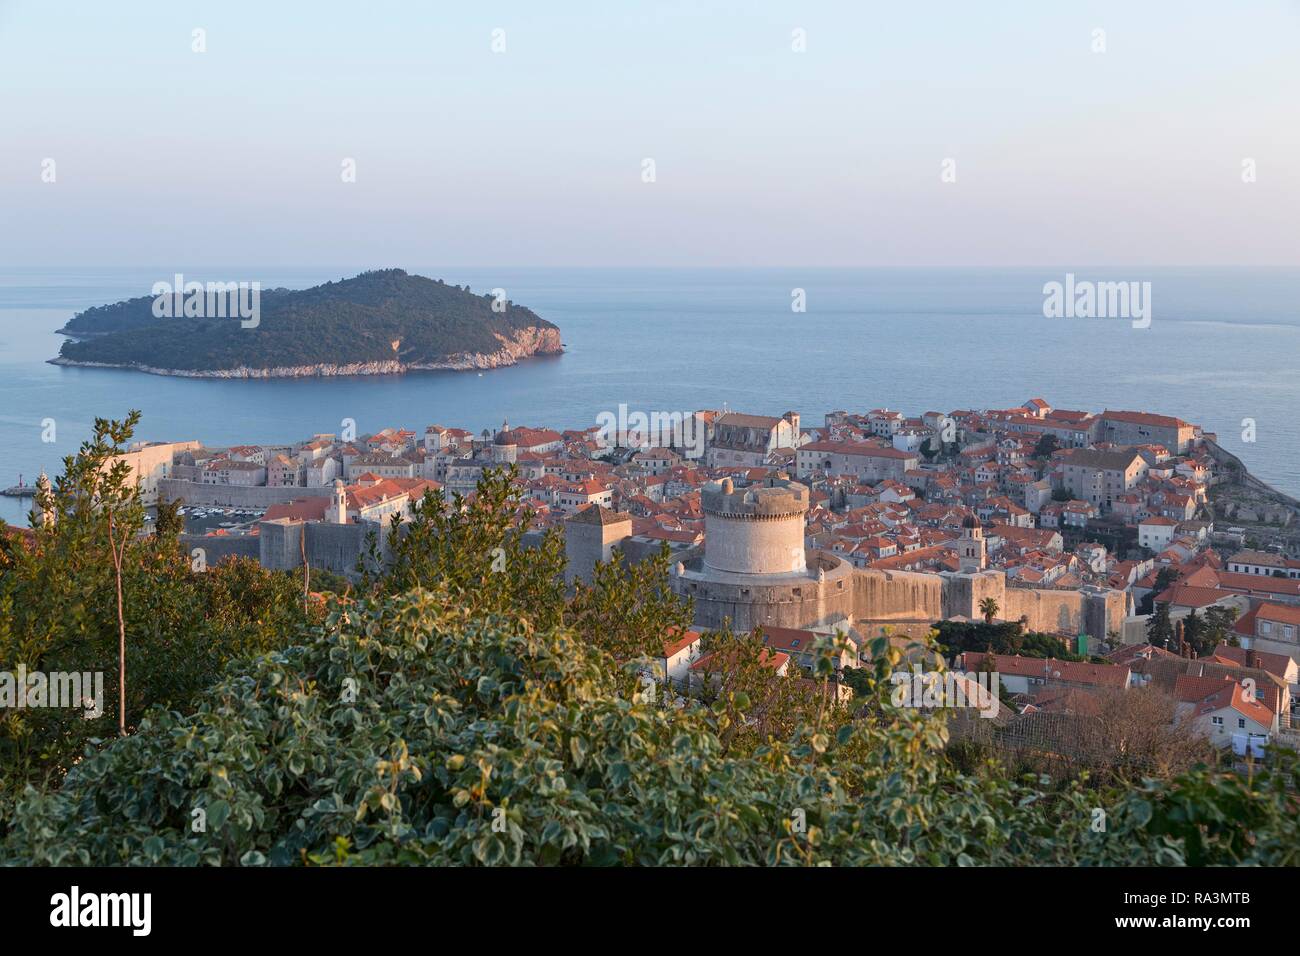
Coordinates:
[757,529]
[753,570]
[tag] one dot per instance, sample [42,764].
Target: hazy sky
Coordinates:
[763,156]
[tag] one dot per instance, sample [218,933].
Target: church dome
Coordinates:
[506,436]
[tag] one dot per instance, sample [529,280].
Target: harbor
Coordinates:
[19,490]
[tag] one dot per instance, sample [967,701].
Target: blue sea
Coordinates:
[1223,346]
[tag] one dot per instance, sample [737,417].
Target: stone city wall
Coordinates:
[234,496]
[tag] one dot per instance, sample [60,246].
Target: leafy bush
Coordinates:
[408,729]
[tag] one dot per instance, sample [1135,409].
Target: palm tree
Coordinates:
[989,608]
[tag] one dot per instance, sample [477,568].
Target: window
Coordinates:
[1217,721]
[1241,721]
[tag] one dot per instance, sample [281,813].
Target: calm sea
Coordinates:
[1223,346]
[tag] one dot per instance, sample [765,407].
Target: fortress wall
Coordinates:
[962,593]
[884,596]
[1053,612]
[281,547]
[803,605]
[1106,612]
[216,549]
[330,547]
[897,595]
[336,547]
[1067,612]
[234,496]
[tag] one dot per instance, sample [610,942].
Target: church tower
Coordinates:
[970,548]
[338,509]
[44,500]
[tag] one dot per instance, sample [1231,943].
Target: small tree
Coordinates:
[97,484]
[1164,578]
[1046,446]
[1160,631]
[1194,633]
[989,608]
[1217,626]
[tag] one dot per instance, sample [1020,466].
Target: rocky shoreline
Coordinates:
[526,343]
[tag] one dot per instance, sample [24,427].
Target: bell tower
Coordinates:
[971,547]
[44,501]
[338,509]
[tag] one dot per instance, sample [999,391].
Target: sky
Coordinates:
[1055,153]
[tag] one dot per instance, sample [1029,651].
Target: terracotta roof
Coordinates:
[774,660]
[1227,693]
[863,449]
[1145,418]
[1281,613]
[304,509]
[1275,664]
[748,421]
[1183,595]
[788,639]
[595,514]
[1133,652]
[677,643]
[1103,675]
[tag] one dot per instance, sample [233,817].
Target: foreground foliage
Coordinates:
[405,729]
[463,709]
[58,612]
